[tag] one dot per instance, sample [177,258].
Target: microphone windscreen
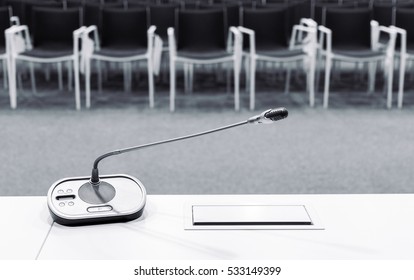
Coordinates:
[277,114]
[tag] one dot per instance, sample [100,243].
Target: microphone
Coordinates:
[118,198]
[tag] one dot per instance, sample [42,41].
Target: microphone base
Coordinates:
[75,201]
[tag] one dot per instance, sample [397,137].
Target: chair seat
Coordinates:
[358,52]
[203,54]
[284,53]
[120,52]
[49,52]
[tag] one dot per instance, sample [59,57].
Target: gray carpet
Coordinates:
[357,146]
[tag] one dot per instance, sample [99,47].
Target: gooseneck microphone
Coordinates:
[266,117]
[117,198]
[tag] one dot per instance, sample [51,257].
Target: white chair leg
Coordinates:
[60,78]
[77,81]
[88,83]
[32,77]
[236,85]
[172,85]
[252,81]
[390,77]
[311,82]
[328,66]
[151,83]
[11,63]
[401,83]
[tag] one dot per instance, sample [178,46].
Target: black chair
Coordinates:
[270,40]
[353,41]
[201,39]
[55,40]
[125,39]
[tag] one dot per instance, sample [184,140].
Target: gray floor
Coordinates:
[357,146]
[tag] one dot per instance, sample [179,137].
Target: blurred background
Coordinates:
[344,137]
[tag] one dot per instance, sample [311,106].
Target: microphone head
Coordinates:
[276,114]
[269,116]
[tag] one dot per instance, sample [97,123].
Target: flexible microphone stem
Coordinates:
[267,116]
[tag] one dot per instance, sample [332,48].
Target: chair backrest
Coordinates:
[124,29]
[270,26]
[30,5]
[92,13]
[163,16]
[319,9]
[201,30]
[351,28]
[404,19]
[17,8]
[232,12]
[5,14]
[298,9]
[54,27]
[384,13]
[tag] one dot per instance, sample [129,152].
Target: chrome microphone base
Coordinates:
[117,198]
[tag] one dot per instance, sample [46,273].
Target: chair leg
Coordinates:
[401,83]
[5,78]
[32,77]
[60,76]
[11,63]
[252,82]
[70,76]
[247,73]
[311,81]
[191,77]
[88,83]
[151,82]
[172,85]
[318,66]
[47,72]
[390,76]
[372,67]
[99,70]
[288,74]
[77,81]
[186,78]
[236,85]
[125,68]
[228,77]
[328,66]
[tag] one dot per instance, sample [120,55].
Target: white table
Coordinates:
[25,223]
[356,227]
